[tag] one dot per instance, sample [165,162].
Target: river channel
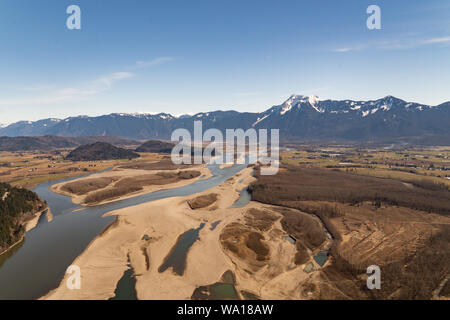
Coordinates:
[39,264]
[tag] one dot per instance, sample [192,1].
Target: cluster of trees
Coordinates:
[318,184]
[14,204]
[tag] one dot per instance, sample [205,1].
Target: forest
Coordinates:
[16,206]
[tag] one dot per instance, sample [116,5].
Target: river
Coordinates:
[39,264]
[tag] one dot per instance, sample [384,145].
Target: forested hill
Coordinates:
[100,151]
[17,206]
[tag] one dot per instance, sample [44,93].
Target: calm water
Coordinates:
[126,287]
[214,225]
[244,199]
[177,256]
[223,290]
[40,262]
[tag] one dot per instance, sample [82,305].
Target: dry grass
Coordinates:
[133,184]
[148,180]
[390,220]
[245,243]
[164,164]
[110,194]
[260,219]
[305,229]
[87,185]
[317,184]
[445,292]
[28,169]
[255,243]
[188,174]
[416,277]
[202,201]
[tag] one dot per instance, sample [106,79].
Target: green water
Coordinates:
[321,258]
[216,291]
[126,287]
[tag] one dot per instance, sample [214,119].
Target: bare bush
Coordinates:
[85,186]
[109,194]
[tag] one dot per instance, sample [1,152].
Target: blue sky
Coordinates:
[191,56]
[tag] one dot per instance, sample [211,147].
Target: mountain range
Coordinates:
[299,118]
[46,143]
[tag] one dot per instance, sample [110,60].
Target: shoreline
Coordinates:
[29,225]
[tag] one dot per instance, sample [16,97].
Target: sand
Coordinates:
[32,223]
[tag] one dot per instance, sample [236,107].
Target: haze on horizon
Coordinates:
[188,57]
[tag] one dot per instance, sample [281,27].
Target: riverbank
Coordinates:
[146,234]
[29,225]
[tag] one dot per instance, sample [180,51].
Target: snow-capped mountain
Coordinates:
[315,119]
[298,118]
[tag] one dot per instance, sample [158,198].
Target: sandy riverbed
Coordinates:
[103,263]
[105,260]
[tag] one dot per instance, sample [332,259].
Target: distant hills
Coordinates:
[299,118]
[155,146]
[47,143]
[100,151]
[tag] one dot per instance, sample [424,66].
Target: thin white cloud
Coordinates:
[394,44]
[97,86]
[39,87]
[350,48]
[343,50]
[49,93]
[110,79]
[437,40]
[154,62]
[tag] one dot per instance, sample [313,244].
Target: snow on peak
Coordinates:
[163,116]
[260,119]
[293,99]
[296,99]
[313,100]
